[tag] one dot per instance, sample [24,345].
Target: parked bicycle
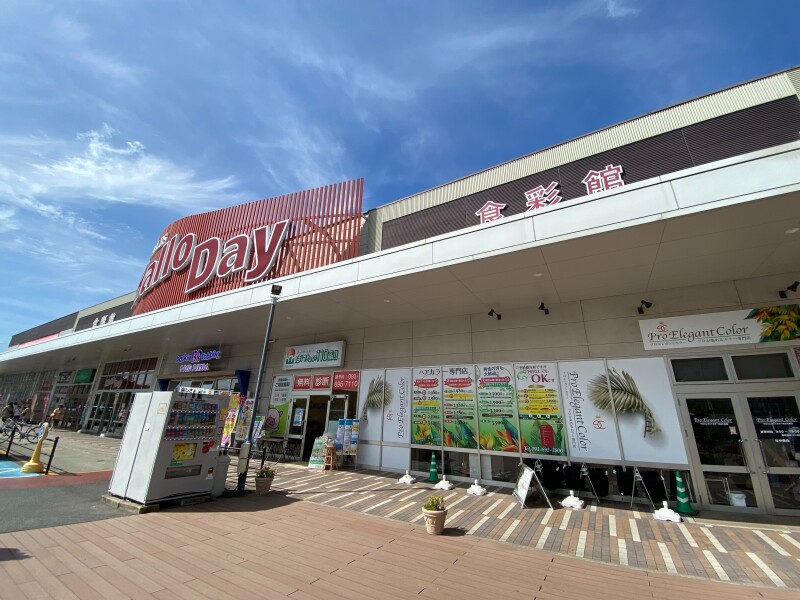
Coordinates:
[29,431]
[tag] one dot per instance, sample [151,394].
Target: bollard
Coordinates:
[244,465]
[52,453]
[34,465]
[10,441]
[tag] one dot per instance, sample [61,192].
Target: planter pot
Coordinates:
[434,521]
[263,484]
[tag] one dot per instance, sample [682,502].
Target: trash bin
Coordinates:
[221,474]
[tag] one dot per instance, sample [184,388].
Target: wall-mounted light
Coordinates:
[644,304]
[493,313]
[544,309]
[791,288]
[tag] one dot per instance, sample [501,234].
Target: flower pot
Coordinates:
[263,484]
[434,521]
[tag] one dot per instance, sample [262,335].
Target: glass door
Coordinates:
[746,448]
[727,464]
[337,409]
[775,422]
[298,416]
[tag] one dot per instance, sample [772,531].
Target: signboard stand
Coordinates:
[524,479]
[638,485]
[585,475]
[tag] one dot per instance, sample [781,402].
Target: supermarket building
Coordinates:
[625,299]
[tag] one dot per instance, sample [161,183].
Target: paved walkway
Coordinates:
[608,533]
[277,547]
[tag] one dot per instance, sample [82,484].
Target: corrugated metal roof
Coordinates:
[720,103]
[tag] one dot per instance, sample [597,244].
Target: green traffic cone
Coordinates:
[433,474]
[684,506]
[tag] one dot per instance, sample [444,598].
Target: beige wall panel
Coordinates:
[387,349]
[617,350]
[386,363]
[396,331]
[529,354]
[568,334]
[613,331]
[442,344]
[438,360]
[448,325]
[566,312]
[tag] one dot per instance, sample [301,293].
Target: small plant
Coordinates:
[434,503]
[266,472]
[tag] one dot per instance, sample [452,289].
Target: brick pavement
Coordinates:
[278,547]
[610,533]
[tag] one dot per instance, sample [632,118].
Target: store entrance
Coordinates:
[746,447]
[109,413]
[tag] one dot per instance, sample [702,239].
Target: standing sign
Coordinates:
[244,416]
[647,415]
[347,437]
[258,429]
[317,459]
[458,404]
[426,407]
[230,420]
[523,484]
[541,421]
[396,414]
[340,436]
[497,408]
[589,410]
[354,438]
[756,326]
[276,424]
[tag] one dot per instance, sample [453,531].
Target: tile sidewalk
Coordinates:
[278,547]
[609,533]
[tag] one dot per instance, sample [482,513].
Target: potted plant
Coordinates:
[435,515]
[264,477]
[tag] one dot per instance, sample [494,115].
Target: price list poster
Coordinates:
[541,421]
[426,407]
[459,403]
[497,408]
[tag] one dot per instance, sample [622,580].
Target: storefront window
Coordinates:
[716,431]
[711,368]
[762,366]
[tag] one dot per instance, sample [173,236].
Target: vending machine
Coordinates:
[170,446]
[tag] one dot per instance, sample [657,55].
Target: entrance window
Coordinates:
[710,368]
[777,423]
[716,431]
[762,366]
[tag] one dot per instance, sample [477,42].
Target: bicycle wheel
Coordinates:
[32,435]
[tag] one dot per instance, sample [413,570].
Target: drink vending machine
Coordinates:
[170,446]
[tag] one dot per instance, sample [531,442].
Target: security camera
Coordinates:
[276,290]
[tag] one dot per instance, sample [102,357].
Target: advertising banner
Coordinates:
[647,415]
[426,406]
[523,485]
[258,429]
[354,437]
[459,407]
[589,410]
[340,436]
[371,399]
[277,421]
[314,356]
[345,381]
[541,422]
[321,382]
[244,417]
[397,413]
[348,435]
[755,326]
[497,408]
[230,420]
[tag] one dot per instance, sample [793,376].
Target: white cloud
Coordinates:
[38,171]
[617,9]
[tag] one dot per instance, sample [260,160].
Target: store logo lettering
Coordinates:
[213,257]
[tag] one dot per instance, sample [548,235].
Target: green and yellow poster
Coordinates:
[460,424]
[426,406]
[277,421]
[497,408]
[541,421]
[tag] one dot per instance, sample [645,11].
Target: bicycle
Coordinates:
[28,431]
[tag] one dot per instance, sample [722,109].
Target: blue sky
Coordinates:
[118,117]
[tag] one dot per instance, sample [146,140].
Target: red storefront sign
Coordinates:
[302,382]
[346,380]
[321,382]
[206,254]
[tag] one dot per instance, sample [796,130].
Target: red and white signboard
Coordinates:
[302,382]
[321,382]
[345,381]
[214,252]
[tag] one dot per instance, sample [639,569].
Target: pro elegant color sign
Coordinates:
[755,326]
[313,356]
